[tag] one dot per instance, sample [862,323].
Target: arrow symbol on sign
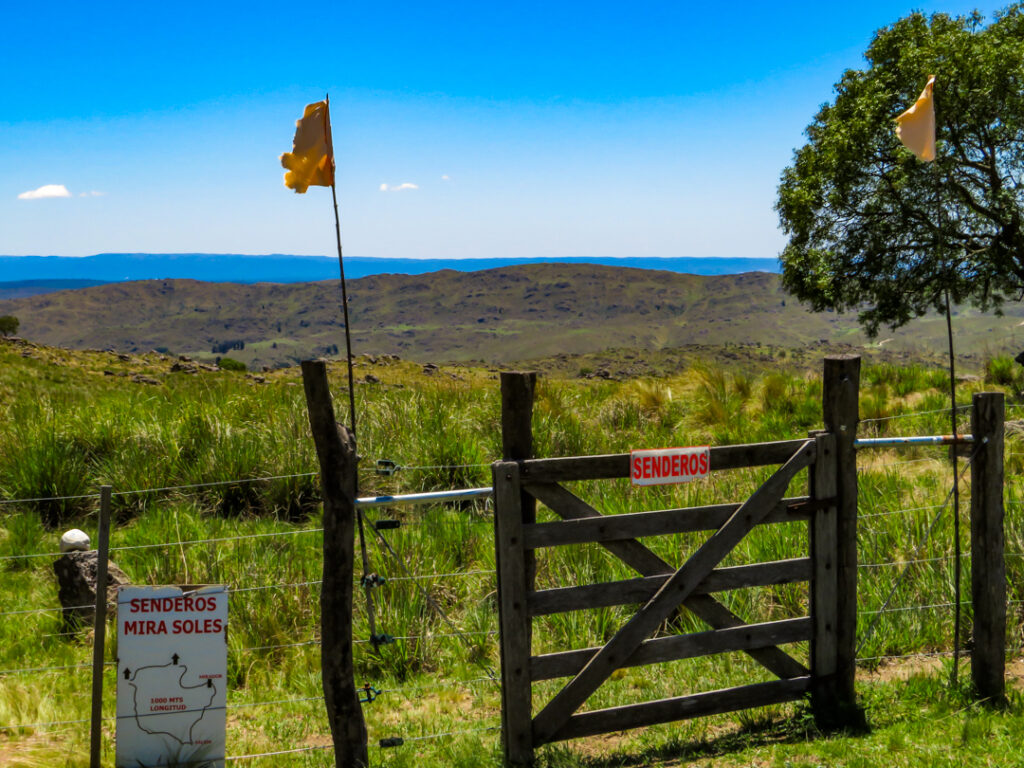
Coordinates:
[127,673]
[174,659]
[209,683]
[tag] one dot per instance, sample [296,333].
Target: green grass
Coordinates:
[66,428]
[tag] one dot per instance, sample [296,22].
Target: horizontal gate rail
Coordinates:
[661,649]
[681,708]
[635,525]
[616,465]
[629,591]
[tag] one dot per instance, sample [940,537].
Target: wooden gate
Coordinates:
[662,588]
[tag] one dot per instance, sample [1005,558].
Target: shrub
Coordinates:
[230,364]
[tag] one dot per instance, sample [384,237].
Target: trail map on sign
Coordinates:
[171,676]
[177,716]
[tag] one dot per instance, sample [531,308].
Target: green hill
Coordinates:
[500,315]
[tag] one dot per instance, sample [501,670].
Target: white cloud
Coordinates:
[446,177]
[47,190]
[92,193]
[399,187]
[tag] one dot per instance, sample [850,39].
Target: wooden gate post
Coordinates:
[336,450]
[517,390]
[988,566]
[840,398]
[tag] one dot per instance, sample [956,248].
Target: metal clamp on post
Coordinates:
[372,580]
[387,525]
[368,693]
[378,640]
[392,741]
[386,467]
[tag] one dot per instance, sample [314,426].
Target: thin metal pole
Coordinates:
[100,627]
[344,291]
[956,498]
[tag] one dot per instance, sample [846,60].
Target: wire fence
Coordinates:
[403,574]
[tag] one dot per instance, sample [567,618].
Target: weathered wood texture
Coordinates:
[630,591]
[556,713]
[647,563]
[988,566]
[616,465]
[681,708]
[513,617]
[100,628]
[824,554]
[336,451]
[745,638]
[840,399]
[635,525]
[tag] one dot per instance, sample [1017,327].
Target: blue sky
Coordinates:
[528,129]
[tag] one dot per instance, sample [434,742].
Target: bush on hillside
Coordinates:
[230,364]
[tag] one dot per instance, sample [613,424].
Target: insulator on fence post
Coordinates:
[372,580]
[392,741]
[368,693]
[387,525]
[378,640]
[386,467]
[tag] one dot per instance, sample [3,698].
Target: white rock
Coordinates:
[74,541]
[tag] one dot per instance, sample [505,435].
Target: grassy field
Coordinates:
[213,455]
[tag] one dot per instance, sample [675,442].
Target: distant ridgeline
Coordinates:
[276,268]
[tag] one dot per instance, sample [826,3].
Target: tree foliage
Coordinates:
[9,325]
[874,229]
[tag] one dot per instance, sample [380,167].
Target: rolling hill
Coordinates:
[498,315]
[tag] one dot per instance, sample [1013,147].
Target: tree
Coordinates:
[9,325]
[874,229]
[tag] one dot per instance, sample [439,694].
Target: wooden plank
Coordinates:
[616,465]
[680,708]
[630,591]
[674,591]
[988,566]
[644,561]
[824,554]
[336,451]
[634,525]
[513,619]
[517,391]
[745,638]
[840,391]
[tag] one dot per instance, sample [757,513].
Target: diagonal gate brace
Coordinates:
[675,590]
[639,557]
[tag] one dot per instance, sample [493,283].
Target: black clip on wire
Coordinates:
[386,467]
[372,580]
[387,525]
[369,692]
[392,741]
[378,640]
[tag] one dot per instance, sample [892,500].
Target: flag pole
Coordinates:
[344,291]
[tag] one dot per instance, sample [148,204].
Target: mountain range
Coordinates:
[278,268]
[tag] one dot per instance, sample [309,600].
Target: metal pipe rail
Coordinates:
[430,497]
[891,442]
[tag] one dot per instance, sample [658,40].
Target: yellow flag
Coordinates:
[916,127]
[311,161]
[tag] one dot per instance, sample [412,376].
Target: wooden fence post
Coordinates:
[100,627]
[517,389]
[840,398]
[825,693]
[336,450]
[988,566]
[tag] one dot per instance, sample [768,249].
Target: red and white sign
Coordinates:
[171,676]
[663,466]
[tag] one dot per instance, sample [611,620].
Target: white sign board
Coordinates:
[661,466]
[171,676]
